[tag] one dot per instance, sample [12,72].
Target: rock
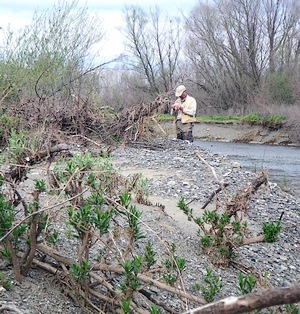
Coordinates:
[194,181]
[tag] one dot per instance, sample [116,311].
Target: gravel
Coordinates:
[173,169]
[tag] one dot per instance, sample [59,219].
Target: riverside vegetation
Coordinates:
[84,219]
[71,223]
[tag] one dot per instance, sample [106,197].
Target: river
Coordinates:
[281,162]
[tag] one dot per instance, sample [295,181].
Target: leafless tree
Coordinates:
[153,47]
[235,45]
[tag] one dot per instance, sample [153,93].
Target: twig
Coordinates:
[160,127]
[211,168]
[153,282]
[10,307]
[40,211]
[213,194]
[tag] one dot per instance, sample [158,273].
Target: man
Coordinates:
[184,110]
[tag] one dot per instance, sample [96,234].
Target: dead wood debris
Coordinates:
[240,200]
[253,301]
[130,124]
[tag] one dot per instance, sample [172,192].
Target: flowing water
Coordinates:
[281,162]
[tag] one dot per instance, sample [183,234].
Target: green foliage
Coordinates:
[246,284]
[4,282]
[206,119]
[6,124]
[212,286]
[51,51]
[165,117]
[252,118]
[20,145]
[40,185]
[5,253]
[18,233]
[218,232]
[97,173]
[292,309]
[185,208]
[101,221]
[217,118]
[125,305]
[154,309]
[275,119]
[142,187]
[6,216]
[133,216]
[53,237]
[81,219]
[281,89]
[149,255]
[174,266]
[131,270]
[206,240]
[227,252]
[80,271]
[179,263]
[7,219]
[271,230]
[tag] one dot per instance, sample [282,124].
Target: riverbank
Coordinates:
[241,133]
[173,169]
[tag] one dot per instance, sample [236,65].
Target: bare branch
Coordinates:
[253,301]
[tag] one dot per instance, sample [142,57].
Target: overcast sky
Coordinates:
[18,13]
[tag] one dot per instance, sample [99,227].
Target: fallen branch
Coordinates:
[253,301]
[256,239]
[155,283]
[104,267]
[221,183]
[10,307]
[241,198]
[213,194]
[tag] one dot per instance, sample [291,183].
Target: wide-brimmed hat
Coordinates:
[179,90]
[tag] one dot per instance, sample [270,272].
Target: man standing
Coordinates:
[184,110]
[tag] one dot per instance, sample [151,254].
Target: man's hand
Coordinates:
[177,107]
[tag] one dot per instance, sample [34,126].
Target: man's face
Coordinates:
[183,95]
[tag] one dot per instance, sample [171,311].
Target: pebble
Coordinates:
[280,260]
[179,172]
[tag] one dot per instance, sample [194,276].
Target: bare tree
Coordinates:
[282,18]
[234,45]
[153,45]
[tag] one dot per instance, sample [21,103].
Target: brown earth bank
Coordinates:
[244,133]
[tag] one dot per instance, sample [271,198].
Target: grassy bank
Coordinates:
[272,120]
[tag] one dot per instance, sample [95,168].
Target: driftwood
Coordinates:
[17,173]
[130,123]
[222,184]
[239,201]
[213,194]
[241,198]
[11,308]
[253,301]
[103,268]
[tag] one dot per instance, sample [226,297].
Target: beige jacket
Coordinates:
[188,114]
